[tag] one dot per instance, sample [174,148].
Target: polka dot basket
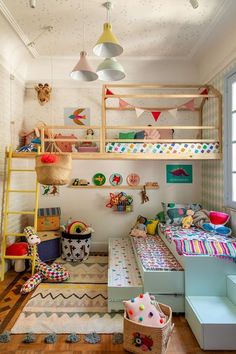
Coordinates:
[139,338]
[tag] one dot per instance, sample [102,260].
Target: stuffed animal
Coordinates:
[188,219]
[43,93]
[54,273]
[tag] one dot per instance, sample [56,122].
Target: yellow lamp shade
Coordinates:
[107,46]
[110,70]
[83,71]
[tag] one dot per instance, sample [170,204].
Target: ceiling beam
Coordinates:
[24,39]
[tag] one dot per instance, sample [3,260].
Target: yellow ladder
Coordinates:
[7,212]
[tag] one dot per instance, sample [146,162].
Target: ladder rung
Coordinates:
[15,234]
[18,257]
[20,170]
[22,190]
[21,212]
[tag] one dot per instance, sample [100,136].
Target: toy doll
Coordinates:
[139,229]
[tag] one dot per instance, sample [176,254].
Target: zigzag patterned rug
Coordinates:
[70,307]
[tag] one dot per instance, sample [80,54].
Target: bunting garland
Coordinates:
[139,111]
[156,114]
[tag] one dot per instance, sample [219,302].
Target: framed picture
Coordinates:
[179,174]
[76,116]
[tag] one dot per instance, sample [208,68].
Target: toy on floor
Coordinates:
[143,310]
[18,249]
[217,223]
[76,241]
[140,228]
[187,221]
[54,273]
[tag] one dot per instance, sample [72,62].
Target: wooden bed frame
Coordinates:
[162,91]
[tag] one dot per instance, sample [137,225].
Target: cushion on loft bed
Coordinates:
[166,148]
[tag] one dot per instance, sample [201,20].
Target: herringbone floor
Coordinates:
[11,303]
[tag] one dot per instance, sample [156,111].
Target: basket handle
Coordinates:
[52,147]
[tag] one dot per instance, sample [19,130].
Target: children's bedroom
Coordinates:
[118,176]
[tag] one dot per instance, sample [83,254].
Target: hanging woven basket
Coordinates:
[53,169]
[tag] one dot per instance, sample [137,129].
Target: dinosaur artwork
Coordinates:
[179,172]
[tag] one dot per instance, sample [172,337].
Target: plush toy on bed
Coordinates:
[140,228]
[188,219]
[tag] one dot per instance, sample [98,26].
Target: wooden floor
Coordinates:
[11,303]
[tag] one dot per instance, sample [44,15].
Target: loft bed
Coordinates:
[175,122]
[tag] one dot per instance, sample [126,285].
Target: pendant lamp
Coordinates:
[110,70]
[107,45]
[83,71]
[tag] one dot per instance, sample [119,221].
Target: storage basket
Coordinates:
[139,338]
[75,247]
[56,173]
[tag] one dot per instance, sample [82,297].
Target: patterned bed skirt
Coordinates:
[166,148]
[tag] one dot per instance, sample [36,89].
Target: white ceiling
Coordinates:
[145,28]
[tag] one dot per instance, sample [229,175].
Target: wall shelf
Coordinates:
[139,187]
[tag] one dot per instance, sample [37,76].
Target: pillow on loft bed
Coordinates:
[158,134]
[128,135]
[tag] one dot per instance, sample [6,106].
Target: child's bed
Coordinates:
[161,273]
[197,242]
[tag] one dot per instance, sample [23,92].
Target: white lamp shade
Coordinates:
[83,71]
[110,70]
[107,45]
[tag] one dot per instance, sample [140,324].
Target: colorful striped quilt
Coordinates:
[209,248]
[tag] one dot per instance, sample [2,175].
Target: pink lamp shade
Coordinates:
[83,71]
[218,218]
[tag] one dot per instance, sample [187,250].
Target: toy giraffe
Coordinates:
[54,273]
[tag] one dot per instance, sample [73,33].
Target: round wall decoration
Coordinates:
[99,179]
[133,179]
[116,179]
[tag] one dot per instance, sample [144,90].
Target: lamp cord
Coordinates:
[83,25]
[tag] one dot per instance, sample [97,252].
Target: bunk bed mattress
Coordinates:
[197,242]
[155,255]
[166,148]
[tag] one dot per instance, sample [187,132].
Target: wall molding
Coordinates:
[24,39]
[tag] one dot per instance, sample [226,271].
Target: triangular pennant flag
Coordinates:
[173,112]
[204,91]
[189,105]
[156,115]
[139,111]
[108,92]
[122,103]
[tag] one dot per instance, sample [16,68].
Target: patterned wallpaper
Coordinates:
[213,171]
